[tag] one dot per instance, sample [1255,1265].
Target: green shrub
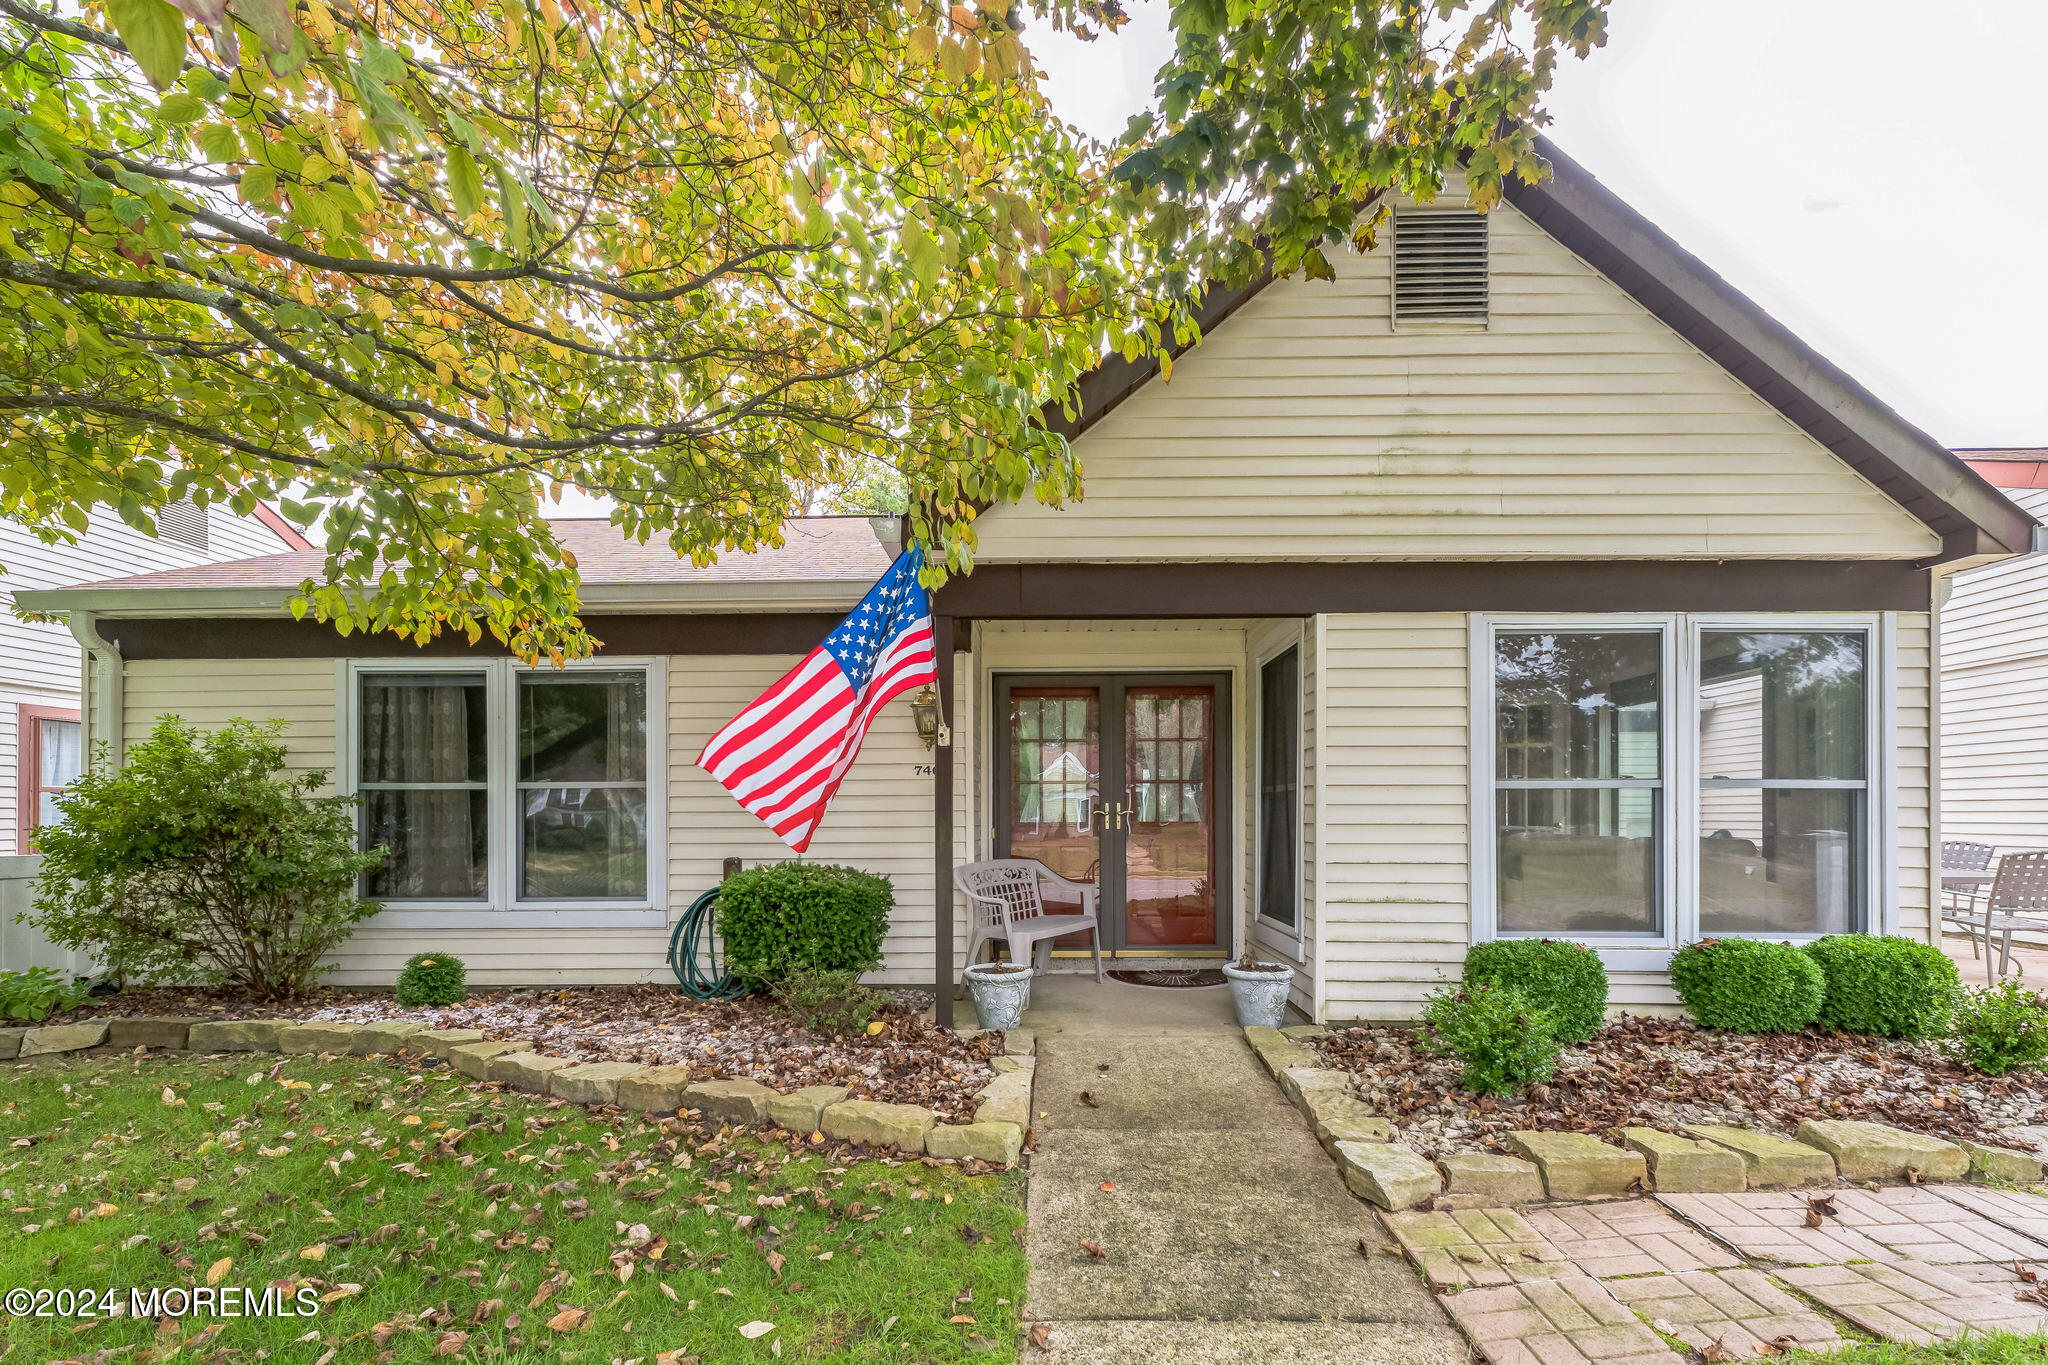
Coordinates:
[1748,986]
[36,992]
[1564,980]
[2000,1027]
[202,861]
[1504,1041]
[829,1000]
[1893,987]
[432,979]
[776,918]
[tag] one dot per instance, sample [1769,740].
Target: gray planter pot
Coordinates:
[1260,997]
[1000,997]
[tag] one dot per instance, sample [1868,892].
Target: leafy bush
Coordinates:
[1748,986]
[776,918]
[1889,986]
[1564,980]
[829,1000]
[432,979]
[2000,1027]
[1504,1041]
[203,861]
[36,992]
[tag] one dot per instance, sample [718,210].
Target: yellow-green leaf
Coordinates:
[465,184]
[155,35]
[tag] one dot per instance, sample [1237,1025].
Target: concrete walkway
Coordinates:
[1229,1235]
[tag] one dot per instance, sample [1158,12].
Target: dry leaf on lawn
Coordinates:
[753,1330]
[569,1319]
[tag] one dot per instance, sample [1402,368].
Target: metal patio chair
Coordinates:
[1003,901]
[2018,903]
[1965,874]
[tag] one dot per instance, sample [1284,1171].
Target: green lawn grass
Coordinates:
[1998,1350]
[420,1205]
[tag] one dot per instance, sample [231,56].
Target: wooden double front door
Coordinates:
[1122,780]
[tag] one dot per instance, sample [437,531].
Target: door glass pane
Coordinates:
[1782,861]
[1782,704]
[1056,784]
[438,842]
[1170,846]
[583,842]
[1577,706]
[1279,785]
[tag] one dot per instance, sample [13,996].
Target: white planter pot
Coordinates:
[1000,997]
[1260,997]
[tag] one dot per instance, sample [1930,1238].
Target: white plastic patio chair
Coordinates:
[1003,901]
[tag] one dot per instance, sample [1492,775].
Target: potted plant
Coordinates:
[1259,990]
[1001,991]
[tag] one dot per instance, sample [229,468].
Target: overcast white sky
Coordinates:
[1871,171]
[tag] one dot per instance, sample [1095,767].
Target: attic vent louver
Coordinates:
[1440,267]
[185,523]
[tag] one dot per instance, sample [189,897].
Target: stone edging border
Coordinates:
[1576,1166]
[996,1136]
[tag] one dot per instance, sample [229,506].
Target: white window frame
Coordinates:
[502,907]
[1273,928]
[1680,633]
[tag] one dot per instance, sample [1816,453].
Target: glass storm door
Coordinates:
[1118,781]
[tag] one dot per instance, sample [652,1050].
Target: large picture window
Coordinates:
[498,786]
[1651,780]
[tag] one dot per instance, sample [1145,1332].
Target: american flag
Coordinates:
[784,756]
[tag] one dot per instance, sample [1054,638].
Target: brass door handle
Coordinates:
[1115,815]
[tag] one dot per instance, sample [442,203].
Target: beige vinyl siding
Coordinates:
[1913,778]
[1994,699]
[1575,425]
[212,692]
[1394,847]
[881,820]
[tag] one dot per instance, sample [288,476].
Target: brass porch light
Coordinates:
[924,712]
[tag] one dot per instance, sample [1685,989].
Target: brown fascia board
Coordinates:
[1907,464]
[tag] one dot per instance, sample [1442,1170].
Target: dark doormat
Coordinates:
[1170,979]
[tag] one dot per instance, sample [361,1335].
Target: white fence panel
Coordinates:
[21,945]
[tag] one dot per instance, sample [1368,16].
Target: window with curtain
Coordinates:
[1579,782]
[582,785]
[1280,787]
[424,779]
[53,755]
[1784,809]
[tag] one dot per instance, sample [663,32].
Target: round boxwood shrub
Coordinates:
[1748,986]
[1564,980]
[1892,987]
[781,916]
[432,979]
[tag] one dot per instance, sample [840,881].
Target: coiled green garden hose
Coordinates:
[696,954]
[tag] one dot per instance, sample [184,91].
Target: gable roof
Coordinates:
[1902,461]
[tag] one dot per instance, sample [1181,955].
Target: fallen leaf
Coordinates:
[1363,1249]
[1716,1352]
[1040,1336]
[969,1234]
[450,1343]
[315,1252]
[754,1330]
[960,1317]
[1912,1175]
[218,1271]
[569,1319]
[1108,1186]
[1094,1249]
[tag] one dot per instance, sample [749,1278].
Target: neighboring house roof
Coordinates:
[281,528]
[822,558]
[1904,462]
[2010,467]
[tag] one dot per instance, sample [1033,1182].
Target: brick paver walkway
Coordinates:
[1739,1309]
[1910,1302]
[1477,1248]
[1569,1321]
[1929,1227]
[1633,1237]
[1770,1225]
[2022,1211]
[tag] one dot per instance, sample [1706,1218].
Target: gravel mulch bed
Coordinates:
[1661,1073]
[911,1062]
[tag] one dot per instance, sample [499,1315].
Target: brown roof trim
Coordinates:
[283,529]
[1115,379]
[1911,467]
[280,637]
[1229,589]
